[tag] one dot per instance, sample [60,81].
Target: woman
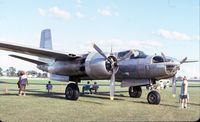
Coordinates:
[23,81]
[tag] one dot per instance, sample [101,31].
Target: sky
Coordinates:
[153,26]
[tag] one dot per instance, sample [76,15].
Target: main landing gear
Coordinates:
[135,91]
[72,91]
[153,96]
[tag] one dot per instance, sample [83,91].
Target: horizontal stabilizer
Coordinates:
[29,60]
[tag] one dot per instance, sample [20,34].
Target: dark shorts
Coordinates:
[183,96]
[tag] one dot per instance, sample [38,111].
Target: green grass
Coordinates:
[39,106]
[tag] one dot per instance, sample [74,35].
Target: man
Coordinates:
[86,87]
[184,93]
[94,87]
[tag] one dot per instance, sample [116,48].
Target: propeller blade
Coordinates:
[126,56]
[174,86]
[112,86]
[183,61]
[99,51]
[163,55]
[191,61]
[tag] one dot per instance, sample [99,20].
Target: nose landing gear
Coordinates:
[153,97]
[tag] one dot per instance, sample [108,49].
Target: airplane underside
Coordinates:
[72,92]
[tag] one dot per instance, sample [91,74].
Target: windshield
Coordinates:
[135,54]
[138,54]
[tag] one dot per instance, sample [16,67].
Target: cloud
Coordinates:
[173,35]
[79,15]
[107,12]
[78,3]
[197,38]
[41,12]
[104,12]
[59,13]
[55,12]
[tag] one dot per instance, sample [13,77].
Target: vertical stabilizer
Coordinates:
[45,41]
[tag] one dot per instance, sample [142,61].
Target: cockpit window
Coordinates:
[138,54]
[157,59]
[122,54]
[135,54]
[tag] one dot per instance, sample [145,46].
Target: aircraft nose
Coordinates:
[172,68]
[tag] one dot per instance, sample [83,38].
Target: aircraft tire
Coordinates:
[72,91]
[135,91]
[153,97]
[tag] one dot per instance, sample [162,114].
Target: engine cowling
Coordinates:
[96,66]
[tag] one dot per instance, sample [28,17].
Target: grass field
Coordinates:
[39,106]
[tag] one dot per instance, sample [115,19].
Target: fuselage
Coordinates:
[93,66]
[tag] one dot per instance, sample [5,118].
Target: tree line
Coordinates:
[12,72]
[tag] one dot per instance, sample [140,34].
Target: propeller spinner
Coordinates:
[113,64]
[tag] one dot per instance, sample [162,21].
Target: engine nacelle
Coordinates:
[95,67]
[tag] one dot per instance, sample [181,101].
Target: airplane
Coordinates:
[133,68]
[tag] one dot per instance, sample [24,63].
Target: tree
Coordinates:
[1,74]
[32,72]
[11,71]
[39,75]
[44,75]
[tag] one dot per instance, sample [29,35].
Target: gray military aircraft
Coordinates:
[133,68]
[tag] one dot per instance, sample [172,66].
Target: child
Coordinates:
[184,93]
[49,87]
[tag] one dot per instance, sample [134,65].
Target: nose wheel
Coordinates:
[153,97]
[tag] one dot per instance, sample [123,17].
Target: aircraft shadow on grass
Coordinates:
[100,95]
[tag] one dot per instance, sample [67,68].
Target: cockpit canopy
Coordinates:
[135,54]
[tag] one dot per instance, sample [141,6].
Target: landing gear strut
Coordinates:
[135,91]
[72,91]
[153,97]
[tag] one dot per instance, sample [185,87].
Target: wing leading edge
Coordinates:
[37,51]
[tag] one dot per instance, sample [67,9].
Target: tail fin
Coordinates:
[45,41]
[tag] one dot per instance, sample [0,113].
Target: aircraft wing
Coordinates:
[29,60]
[37,51]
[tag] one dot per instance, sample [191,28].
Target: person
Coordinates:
[19,75]
[86,87]
[23,81]
[49,87]
[94,87]
[184,93]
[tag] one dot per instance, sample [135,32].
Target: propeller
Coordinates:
[114,67]
[164,57]
[174,86]
[183,60]
[174,78]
